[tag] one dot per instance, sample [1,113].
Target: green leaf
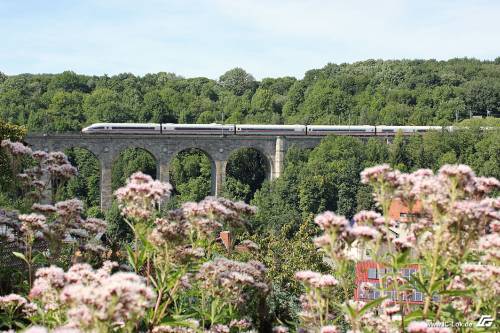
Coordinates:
[402,258]
[415,281]
[414,315]
[21,256]
[437,285]
[131,255]
[371,304]
[468,292]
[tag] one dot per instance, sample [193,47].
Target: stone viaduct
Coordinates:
[107,148]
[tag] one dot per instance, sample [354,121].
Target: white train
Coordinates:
[285,130]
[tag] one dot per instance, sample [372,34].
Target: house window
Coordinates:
[374,292]
[408,215]
[418,296]
[408,272]
[391,294]
[372,273]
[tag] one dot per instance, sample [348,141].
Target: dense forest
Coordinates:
[413,92]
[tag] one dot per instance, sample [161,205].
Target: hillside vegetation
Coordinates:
[402,92]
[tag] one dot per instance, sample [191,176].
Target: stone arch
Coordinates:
[118,151]
[177,154]
[149,163]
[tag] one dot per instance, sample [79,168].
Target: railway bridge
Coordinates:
[107,148]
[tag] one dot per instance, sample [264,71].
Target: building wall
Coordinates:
[368,271]
[400,212]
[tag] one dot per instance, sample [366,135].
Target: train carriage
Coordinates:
[194,129]
[123,128]
[383,130]
[286,130]
[355,130]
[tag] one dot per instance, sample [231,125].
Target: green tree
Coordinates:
[65,112]
[104,105]
[155,109]
[190,174]
[326,104]
[13,133]
[249,167]
[129,161]
[398,155]
[238,81]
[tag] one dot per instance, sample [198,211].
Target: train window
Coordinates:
[134,128]
[331,130]
[194,128]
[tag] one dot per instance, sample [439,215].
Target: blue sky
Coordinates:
[268,38]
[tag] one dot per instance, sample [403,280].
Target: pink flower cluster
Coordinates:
[339,234]
[489,246]
[454,198]
[201,219]
[174,228]
[172,329]
[12,301]
[329,329]
[40,329]
[31,223]
[485,278]
[140,197]
[63,221]
[54,165]
[57,165]
[379,173]
[452,182]
[316,280]
[217,209]
[329,220]
[280,329]
[16,148]
[91,298]
[227,277]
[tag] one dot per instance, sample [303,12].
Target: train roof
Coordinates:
[269,126]
[198,125]
[340,126]
[125,124]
